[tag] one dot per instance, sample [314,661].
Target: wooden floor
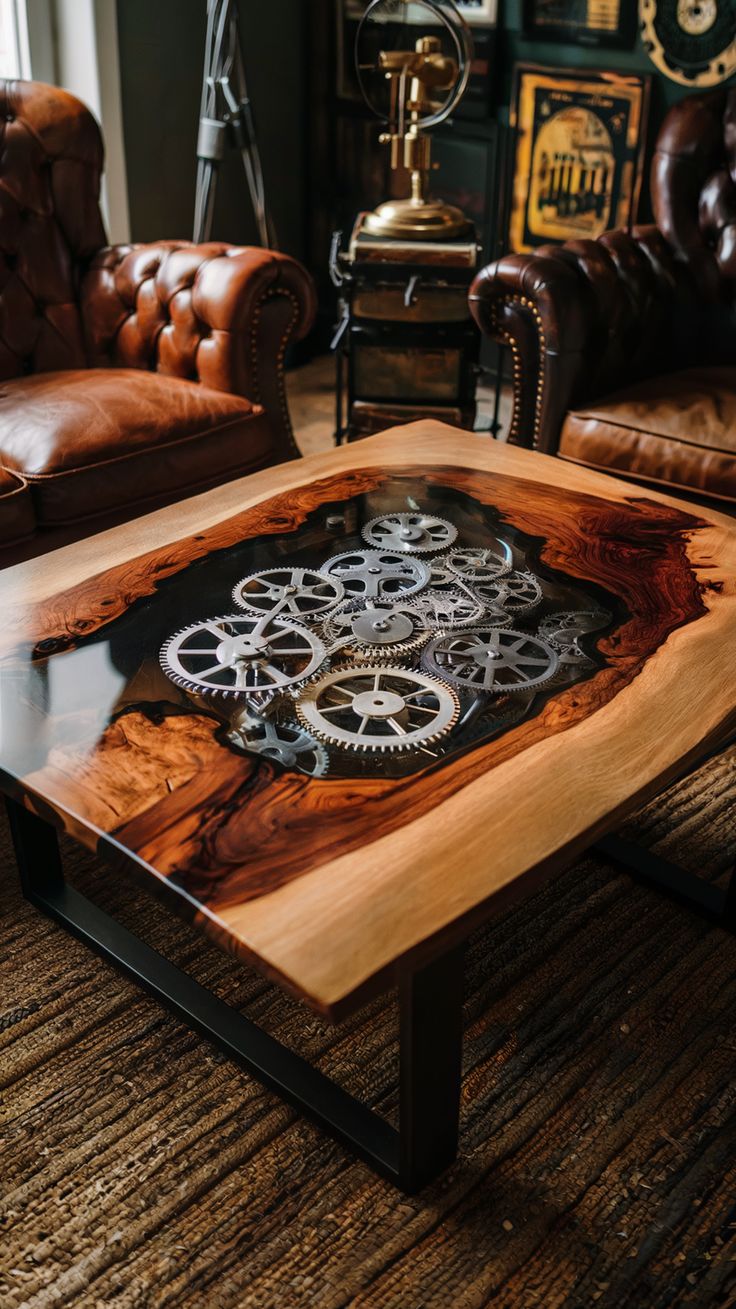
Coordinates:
[598,1155]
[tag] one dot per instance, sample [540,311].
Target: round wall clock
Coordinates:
[691,41]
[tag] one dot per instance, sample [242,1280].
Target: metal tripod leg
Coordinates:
[430,1014]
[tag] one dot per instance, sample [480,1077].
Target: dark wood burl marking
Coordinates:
[226,829]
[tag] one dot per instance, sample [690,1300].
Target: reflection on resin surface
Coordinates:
[388,632]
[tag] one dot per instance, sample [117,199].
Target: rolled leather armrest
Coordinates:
[217,314]
[589,317]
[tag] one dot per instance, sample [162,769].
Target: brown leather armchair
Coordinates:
[624,348]
[130,376]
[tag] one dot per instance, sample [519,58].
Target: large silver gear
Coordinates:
[378,709]
[241,654]
[288,743]
[412,533]
[491,659]
[515,593]
[564,630]
[378,574]
[302,593]
[480,564]
[440,610]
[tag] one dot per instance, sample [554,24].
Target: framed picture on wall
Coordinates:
[578,146]
[586,22]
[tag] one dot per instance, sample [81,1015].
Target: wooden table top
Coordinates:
[329,883]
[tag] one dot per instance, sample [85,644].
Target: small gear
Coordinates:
[441,577]
[564,631]
[436,610]
[491,659]
[241,654]
[287,743]
[378,574]
[409,533]
[478,564]
[378,709]
[516,593]
[299,592]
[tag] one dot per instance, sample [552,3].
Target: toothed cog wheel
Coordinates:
[299,592]
[478,564]
[516,593]
[240,654]
[289,744]
[564,631]
[378,574]
[409,533]
[380,634]
[436,610]
[491,659]
[378,709]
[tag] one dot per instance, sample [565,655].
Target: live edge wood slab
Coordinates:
[327,885]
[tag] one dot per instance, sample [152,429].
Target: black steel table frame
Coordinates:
[430,1042]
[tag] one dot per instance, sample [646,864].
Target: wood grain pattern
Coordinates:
[283,865]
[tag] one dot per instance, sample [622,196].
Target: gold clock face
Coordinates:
[691,41]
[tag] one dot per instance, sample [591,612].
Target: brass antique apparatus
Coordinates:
[415,77]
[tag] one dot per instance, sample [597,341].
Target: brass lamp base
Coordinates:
[424,220]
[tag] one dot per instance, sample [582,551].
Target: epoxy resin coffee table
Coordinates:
[340,712]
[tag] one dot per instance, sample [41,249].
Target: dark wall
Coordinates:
[161,64]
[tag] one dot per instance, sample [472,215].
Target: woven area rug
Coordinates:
[598,1148]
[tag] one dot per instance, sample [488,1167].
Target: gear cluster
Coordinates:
[404,646]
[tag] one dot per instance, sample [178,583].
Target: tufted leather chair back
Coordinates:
[51,158]
[694,185]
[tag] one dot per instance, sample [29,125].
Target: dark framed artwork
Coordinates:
[578,146]
[586,22]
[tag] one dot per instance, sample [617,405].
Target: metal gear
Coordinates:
[412,533]
[378,574]
[286,742]
[480,564]
[241,654]
[564,630]
[435,610]
[378,709]
[491,659]
[381,634]
[516,593]
[301,593]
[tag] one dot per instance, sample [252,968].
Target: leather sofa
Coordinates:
[624,348]
[130,375]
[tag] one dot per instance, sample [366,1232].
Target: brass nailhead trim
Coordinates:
[272,295]
[503,335]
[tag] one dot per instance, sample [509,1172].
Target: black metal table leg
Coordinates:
[430,1013]
[430,1002]
[711,902]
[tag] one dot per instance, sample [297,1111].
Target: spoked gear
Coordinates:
[491,659]
[478,564]
[516,593]
[439,610]
[242,654]
[289,744]
[299,592]
[378,574]
[565,630]
[378,709]
[409,533]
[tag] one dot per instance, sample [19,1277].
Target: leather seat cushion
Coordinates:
[679,430]
[17,520]
[93,440]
